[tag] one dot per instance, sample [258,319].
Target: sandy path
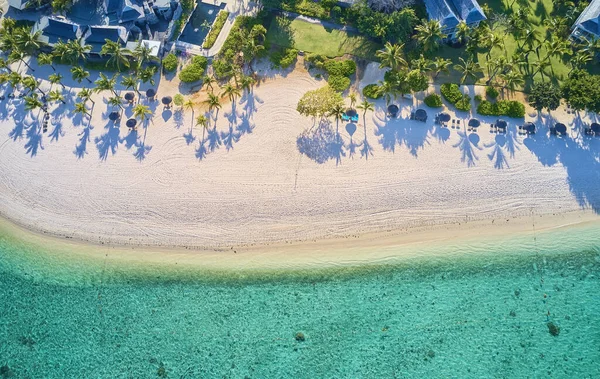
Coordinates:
[257,188]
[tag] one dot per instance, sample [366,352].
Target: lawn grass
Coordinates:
[559,69]
[314,38]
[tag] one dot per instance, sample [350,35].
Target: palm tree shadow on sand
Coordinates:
[412,134]
[34,140]
[81,147]
[107,143]
[467,149]
[497,154]
[322,143]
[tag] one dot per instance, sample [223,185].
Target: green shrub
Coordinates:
[194,71]
[170,63]
[372,91]
[464,104]
[451,92]
[491,92]
[338,82]
[284,58]
[478,98]
[316,60]
[434,100]
[211,38]
[345,67]
[508,108]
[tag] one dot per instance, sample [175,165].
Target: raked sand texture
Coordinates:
[247,181]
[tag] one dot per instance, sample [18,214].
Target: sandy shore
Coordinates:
[166,185]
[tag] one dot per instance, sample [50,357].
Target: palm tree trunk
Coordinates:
[26,64]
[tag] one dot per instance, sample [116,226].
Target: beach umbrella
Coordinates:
[474,123]
[129,96]
[351,112]
[131,123]
[150,93]
[113,116]
[393,109]
[444,117]
[595,127]
[560,128]
[421,115]
[167,100]
[501,124]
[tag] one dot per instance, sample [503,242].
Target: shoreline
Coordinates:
[373,249]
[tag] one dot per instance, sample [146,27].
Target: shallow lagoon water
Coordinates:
[472,315]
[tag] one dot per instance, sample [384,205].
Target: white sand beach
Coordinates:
[250,185]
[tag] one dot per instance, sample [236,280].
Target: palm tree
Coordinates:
[441,65]
[494,41]
[462,33]
[430,35]
[531,39]
[556,48]
[580,59]
[81,109]
[105,84]
[421,64]
[4,65]
[365,106]
[189,105]
[28,42]
[213,102]
[142,54]
[44,59]
[32,102]
[14,78]
[540,67]
[246,83]
[76,51]
[208,81]
[203,122]
[147,74]
[30,83]
[86,94]
[231,92]
[469,69]
[116,53]
[512,80]
[130,82]
[79,73]
[353,98]
[142,112]
[18,55]
[387,90]
[391,56]
[116,101]
[56,78]
[61,51]
[56,95]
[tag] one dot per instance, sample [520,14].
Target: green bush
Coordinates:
[491,92]
[194,71]
[508,108]
[372,91]
[434,100]
[170,63]
[345,67]
[211,38]
[478,98]
[284,58]
[451,92]
[464,104]
[338,82]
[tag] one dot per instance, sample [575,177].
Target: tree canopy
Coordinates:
[319,102]
[544,95]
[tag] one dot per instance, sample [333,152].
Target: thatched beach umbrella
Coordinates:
[129,96]
[501,124]
[421,115]
[114,116]
[351,112]
[150,93]
[560,128]
[595,128]
[444,117]
[131,123]
[474,123]
[167,100]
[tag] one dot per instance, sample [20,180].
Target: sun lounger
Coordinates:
[345,117]
[354,118]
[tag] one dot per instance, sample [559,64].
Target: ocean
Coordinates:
[520,309]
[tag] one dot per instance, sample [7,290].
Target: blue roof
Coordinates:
[590,18]
[99,34]
[131,11]
[55,29]
[450,12]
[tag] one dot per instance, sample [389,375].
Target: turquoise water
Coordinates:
[480,317]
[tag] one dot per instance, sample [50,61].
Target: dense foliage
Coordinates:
[283,58]
[319,102]
[508,108]
[582,91]
[452,94]
[491,92]
[544,95]
[211,38]
[345,67]
[194,71]
[338,82]
[187,6]
[317,9]
[434,100]
[170,63]
[372,91]
[395,26]
[316,60]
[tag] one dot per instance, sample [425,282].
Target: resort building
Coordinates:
[56,29]
[18,4]
[96,36]
[587,25]
[451,12]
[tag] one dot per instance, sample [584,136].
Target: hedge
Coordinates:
[316,60]
[284,58]
[452,94]
[215,29]
[338,82]
[194,71]
[434,100]
[170,63]
[372,91]
[491,92]
[340,68]
[508,108]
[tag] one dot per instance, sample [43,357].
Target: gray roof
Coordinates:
[450,12]
[18,4]
[96,36]
[131,11]
[590,18]
[54,29]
